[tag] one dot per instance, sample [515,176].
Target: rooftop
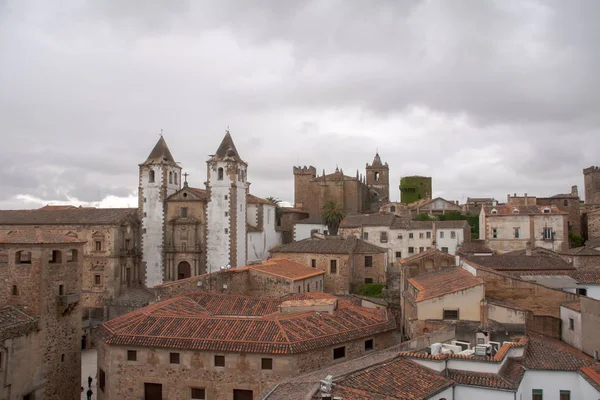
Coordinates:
[252,199]
[513,210]
[11,317]
[552,281]
[36,236]
[160,153]
[350,245]
[545,353]
[67,216]
[582,251]
[475,247]
[505,262]
[288,269]
[227,150]
[217,322]
[508,378]
[589,276]
[375,219]
[572,305]
[592,375]
[427,254]
[441,283]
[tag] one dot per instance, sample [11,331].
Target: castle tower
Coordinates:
[378,181]
[160,176]
[302,178]
[591,181]
[226,188]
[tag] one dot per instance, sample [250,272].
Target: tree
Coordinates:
[332,216]
[424,217]
[575,240]
[278,209]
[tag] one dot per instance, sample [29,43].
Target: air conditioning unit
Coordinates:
[481,350]
[482,337]
[447,351]
[224,286]
[495,346]
[463,345]
[453,348]
[325,385]
[436,349]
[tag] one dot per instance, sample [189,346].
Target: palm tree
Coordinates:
[278,209]
[332,216]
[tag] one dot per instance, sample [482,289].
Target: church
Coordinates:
[189,231]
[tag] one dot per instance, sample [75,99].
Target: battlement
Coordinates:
[591,169]
[310,170]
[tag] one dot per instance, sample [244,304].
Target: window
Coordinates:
[175,177]
[184,212]
[23,257]
[339,352]
[227,213]
[565,394]
[198,394]
[313,263]
[101,379]
[383,237]
[151,176]
[376,176]
[226,231]
[421,249]
[398,254]
[365,235]
[97,280]
[298,289]
[400,236]
[517,233]
[308,288]
[451,314]
[220,174]
[333,266]
[571,324]
[547,233]
[368,281]
[581,291]
[428,235]
[219,361]
[368,261]
[62,357]
[170,177]
[15,291]
[444,249]
[174,358]
[495,233]
[441,234]
[368,344]
[266,363]
[393,208]
[152,391]
[240,394]
[411,250]
[98,245]
[410,235]
[546,211]
[131,355]
[537,394]
[55,257]
[452,234]
[225,197]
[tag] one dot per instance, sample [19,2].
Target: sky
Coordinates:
[487,97]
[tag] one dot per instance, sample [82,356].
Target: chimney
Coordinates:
[528,248]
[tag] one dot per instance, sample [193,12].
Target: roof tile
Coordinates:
[441,283]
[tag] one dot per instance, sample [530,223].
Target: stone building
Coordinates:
[188,231]
[352,194]
[415,188]
[507,228]
[40,315]
[110,259]
[591,181]
[474,204]
[402,237]
[210,346]
[437,206]
[348,263]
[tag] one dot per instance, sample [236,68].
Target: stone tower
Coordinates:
[591,180]
[302,178]
[160,176]
[226,188]
[378,181]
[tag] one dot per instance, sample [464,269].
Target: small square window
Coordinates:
[368,344]
[537,394]
[219,361]
[383,237]
[365,235]
[421,235]
[174,358]
[428,235]
[441,234]
[131,355]
[410,235]
[444,249]
[399,236]
[565,395]
[368,281]
[398,254]
[421,249]
[451,314]
[266,363]
[225,197]
[411,250]
[313,263]
[452,235]
[339,352]
[198,394]
[227,213]
[368,261]
[97,280]
[98,245]
[226,230]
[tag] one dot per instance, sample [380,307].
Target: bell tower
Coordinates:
[159,177]
[378,182]
[226,188]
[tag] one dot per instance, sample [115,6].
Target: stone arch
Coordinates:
[23,257]
[151,176]
[220,174]
[171,177]
[184,270]
[393,208]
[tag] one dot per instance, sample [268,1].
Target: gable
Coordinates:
[188,194]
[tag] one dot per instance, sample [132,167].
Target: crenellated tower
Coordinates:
[227,188]
[159,177]
[591,180]
[302,178]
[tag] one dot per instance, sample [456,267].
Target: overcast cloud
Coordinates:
[487,97]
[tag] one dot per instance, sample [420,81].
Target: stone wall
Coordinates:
[590,325]
[545,324]
[125,379]
[593,225]
[236,282]
[569,205]
[22,355]
[591,180]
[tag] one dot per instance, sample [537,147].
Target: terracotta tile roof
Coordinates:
[286,269]
[444,282]
[572,305]
[11,317]
[582,251]
[66,216]
[375,219]
[503,303]
[201,193]
[545,353]
[252,199]
[400,223]
[36,236]
[505,209]
[329,246]
[593,243]
[506,262]
[459,224]
[592,375]
[590,276]
[509,377]
[212,322]
[474,246]
[397,379]
[433,252]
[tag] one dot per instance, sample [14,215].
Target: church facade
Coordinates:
[189,231]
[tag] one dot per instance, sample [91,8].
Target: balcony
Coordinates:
[66,303]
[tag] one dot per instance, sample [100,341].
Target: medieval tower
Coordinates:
[226,207]
[160,176]
[378,182]
[591,181]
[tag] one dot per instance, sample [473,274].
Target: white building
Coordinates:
[305,228]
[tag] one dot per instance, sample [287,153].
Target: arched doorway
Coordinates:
[184,270]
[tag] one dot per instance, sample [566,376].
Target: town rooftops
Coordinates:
[350,245]
[427,254]
[475,247]
[505,262]
[66,216]
[11,318]
[504,210]
[582,251]
[572,305]
[36,236]
[586,276]
[284,268]
[252,199]
[441,283]
[509,377]
[197,193]
[375,219]
[545,353]
[218,322]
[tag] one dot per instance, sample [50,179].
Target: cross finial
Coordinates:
[161,132]
[227,130]
[185,175]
